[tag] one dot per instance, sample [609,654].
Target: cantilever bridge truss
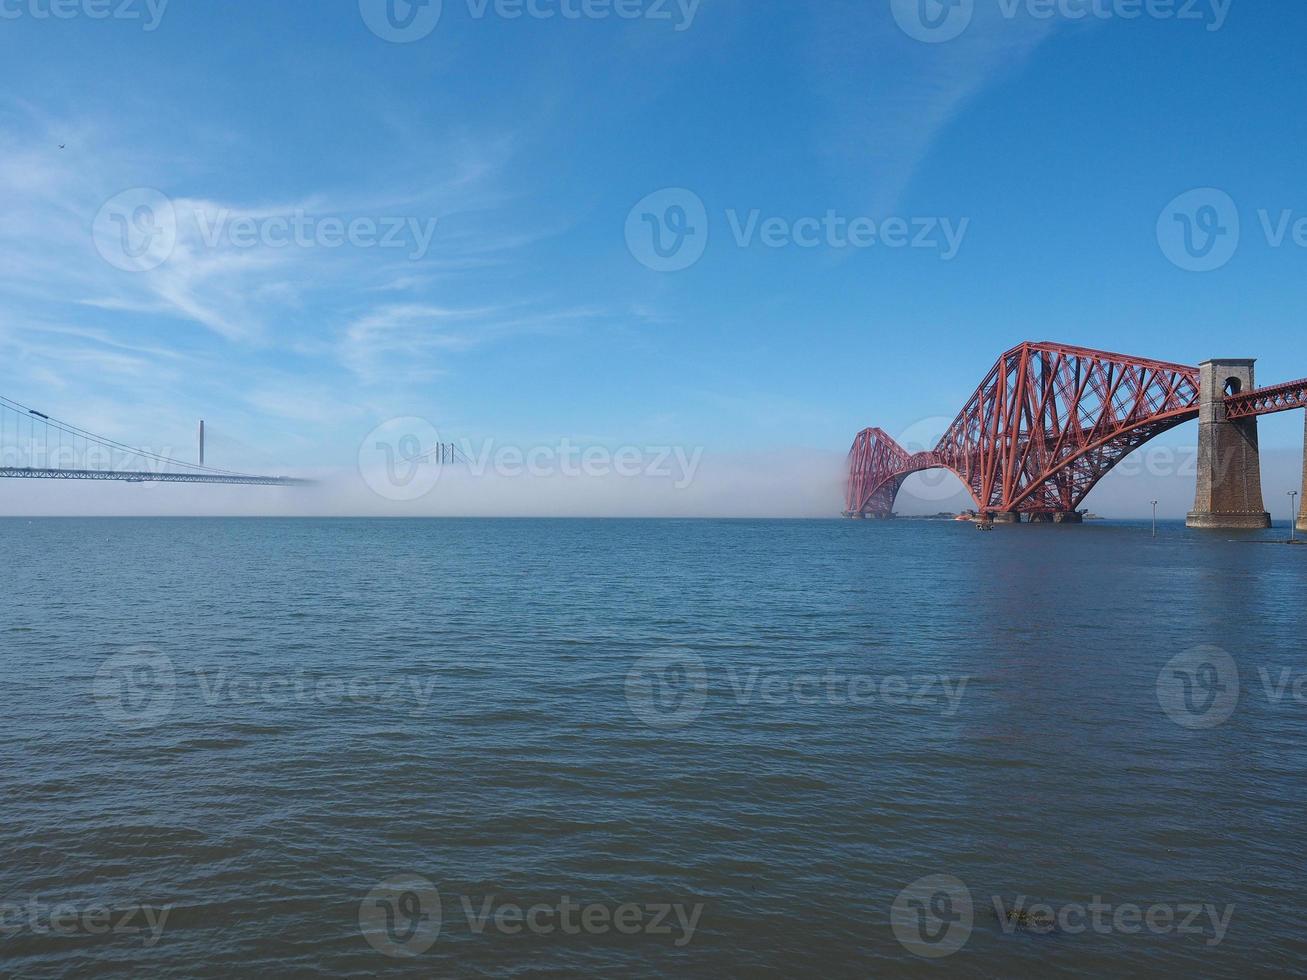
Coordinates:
[1045,426]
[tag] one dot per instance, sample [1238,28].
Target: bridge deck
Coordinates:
[55,450]
[144,476]
[1266,401]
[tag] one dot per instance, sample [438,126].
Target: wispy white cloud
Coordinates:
[298,401]
[214,276]
[405,342]
[889,96]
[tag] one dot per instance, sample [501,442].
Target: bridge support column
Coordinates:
[1302,516]
[1229,461]
[1005,517]
[1058,517]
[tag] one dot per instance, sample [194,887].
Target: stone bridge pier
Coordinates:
[1229,461]
[1302,515]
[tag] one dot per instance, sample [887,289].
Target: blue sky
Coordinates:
[1049,145]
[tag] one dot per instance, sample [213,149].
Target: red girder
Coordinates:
[1047,423]
[1265,401]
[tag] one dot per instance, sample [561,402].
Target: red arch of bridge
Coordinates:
[1046,424]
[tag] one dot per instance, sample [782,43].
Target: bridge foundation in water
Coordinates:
[1229,460]
[1302,515]
[1058,517]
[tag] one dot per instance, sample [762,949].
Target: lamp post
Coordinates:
[1293,515]
[1154,518]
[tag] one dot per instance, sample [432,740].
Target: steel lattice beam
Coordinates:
[1267,401]
[1044,426]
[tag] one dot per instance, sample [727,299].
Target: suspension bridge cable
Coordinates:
[24,411]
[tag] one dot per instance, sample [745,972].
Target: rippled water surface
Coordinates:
[731,745]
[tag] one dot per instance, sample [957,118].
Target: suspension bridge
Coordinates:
[34,446]
[1049,421]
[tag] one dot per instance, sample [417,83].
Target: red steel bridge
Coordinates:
[34,446]
[1047,423]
